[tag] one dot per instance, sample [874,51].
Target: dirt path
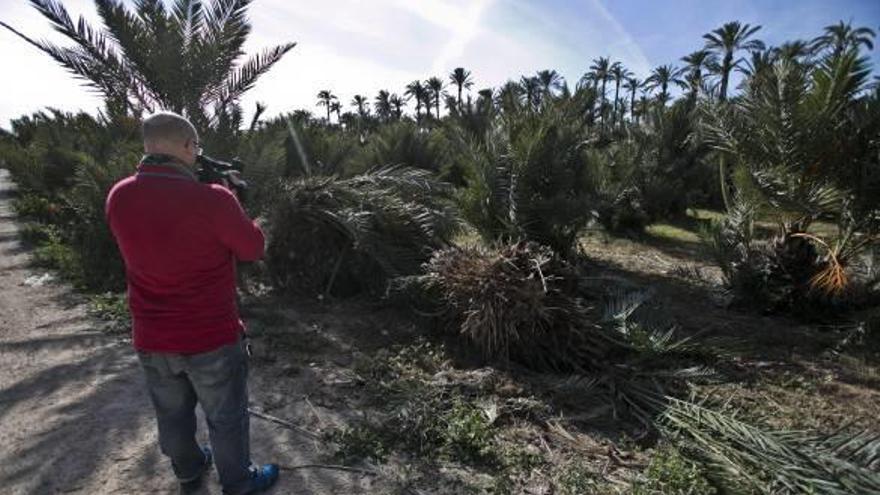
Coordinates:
[74,415]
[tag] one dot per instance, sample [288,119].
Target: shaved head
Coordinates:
[170,134]
[169,128]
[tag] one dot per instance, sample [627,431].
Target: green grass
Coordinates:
[704,214]
[672,233]
[670,473]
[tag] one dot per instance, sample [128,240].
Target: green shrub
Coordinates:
[422,418]
[64,165]
[54,254]
[779,274]
[87,231]
[112,308]
[403,144]
[528,181]
[35,234]
[358,443]
[36,207]
[346,236]
[670,473]
[576,478]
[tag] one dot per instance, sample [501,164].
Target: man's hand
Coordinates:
[235,179]
[234,182]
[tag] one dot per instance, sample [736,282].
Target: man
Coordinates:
[180,240]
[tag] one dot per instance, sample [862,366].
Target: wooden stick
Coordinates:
[284,423]
[366,472]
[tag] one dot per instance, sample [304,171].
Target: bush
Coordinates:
[781,274]
[345,236]
[529,181]
[32,206]
[64,165]
[403,144]
[670,473]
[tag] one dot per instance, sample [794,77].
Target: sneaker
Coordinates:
[193,485]
[262,478]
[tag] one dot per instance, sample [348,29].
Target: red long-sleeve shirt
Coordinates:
[180,239]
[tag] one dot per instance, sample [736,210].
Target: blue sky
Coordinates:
[358,46]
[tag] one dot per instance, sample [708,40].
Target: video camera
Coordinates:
[213,171]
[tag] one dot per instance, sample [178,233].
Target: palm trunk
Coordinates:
[632,105]
[725,74]
[616,94]
[722,173]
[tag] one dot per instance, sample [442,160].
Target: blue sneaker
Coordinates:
[262,478]
[193,485]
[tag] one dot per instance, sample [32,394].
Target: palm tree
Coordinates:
[796,51]
[397,103]
[509,97]
[618,72]
[435,87]
[325,98]
[383,105]
[632,84]
[759,61]
[842,37]
[725,42]
[127,61]
[417,91]
[462,79]
[531,90]
[698,63]
[485,100]
[600,72]
[336,108]
[662,77]
[549,81]
[362,105]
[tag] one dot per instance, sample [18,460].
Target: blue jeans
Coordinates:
[218,381]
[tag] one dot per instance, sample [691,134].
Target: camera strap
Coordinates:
[167,161]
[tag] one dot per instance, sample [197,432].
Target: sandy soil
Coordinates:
[74,414]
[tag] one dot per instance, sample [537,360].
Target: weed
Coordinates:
[36,207]
[468,435]
[36,234]
[54,254]
[359,442]
[670,473]
[576,478]
[112,308]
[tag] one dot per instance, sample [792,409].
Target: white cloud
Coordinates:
[462,33]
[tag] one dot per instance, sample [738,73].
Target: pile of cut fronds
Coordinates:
[344,236]
[519,303]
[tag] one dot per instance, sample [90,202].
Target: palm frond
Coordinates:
[741,454]
[244,77]
[358,232]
